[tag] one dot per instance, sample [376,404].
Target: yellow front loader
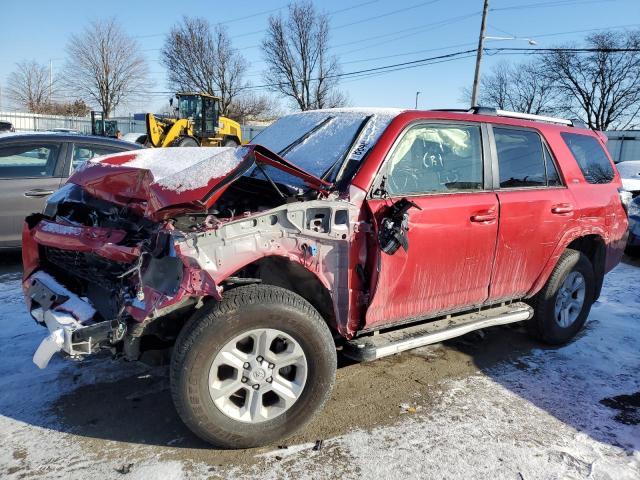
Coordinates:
[198,124]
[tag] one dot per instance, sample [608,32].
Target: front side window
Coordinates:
[436,159]
[28,161]
[590,157]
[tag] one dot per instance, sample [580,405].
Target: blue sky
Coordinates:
[364,34]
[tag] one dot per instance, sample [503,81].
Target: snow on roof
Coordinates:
[183,169]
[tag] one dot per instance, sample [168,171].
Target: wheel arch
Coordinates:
[591,243]
[283,272]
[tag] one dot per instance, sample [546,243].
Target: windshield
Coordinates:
[318,140]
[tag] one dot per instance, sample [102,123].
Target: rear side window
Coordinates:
[84,153]
[28,161]
[523,160]
[590,156]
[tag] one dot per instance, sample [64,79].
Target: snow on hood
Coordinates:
[182,169]
[161,182]
[149,180]
[630,173]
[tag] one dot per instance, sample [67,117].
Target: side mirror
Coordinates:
[171,102]
[394,226]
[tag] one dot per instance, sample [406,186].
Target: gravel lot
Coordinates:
[490,405]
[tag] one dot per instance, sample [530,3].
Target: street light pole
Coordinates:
[417,93]
[476,77]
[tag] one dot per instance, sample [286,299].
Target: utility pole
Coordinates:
[417,93]
[476,77]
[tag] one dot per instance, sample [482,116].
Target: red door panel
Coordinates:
[448,264]
[531,224]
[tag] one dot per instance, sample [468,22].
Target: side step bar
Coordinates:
[380,345]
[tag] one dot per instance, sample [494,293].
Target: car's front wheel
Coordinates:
[253,368]
[562,306]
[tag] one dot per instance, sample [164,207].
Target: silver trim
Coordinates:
[536,118]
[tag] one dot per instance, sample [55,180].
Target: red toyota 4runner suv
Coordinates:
[252,265]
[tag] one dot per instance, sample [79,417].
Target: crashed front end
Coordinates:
[117,254]
[92,284]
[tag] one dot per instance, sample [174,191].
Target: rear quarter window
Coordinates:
[590,156]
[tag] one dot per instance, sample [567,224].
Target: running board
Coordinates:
[380,345]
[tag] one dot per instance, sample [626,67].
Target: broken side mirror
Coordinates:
[394,226]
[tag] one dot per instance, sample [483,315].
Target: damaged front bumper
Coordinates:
[68,318]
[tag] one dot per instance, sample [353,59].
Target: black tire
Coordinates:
[543,325]
[230,142]
[185,142]
[211,328]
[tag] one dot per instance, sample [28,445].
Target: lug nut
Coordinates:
[269,380]
[244,380]
[246,365]
[256,386]
[271,366]
[259,359]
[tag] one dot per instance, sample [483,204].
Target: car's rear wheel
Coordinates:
[253,368]
[562,306]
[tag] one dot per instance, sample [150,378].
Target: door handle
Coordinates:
[562,209]
[484,217]
[37,192]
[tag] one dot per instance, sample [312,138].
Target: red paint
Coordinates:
[103,241]
[448,264]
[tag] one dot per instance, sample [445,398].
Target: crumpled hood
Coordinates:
[159,183]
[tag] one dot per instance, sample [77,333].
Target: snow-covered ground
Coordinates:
[571,412]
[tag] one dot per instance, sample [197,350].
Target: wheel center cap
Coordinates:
[258,374]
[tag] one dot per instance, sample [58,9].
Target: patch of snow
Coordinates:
[81,309]
[539,416]
[183,169]
[630,173]
[60,229]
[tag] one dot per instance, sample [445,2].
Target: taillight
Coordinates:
[625,199]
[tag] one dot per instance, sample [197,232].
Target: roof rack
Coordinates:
[479,110]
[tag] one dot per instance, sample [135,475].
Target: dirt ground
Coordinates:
[122,414]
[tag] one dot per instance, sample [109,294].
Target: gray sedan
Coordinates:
[34,165]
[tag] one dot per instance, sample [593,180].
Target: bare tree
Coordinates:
[202,59]
[104,65]
[299,65]
[253,107]
[602,87]
[520,88]
[76,108]
[29,86]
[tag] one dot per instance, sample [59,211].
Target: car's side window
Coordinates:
[436,158]
[589,154]
[524,160]
[553,177]
[84,153]
[28,161]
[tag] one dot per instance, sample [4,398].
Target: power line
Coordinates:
[383,15]
[555,3]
